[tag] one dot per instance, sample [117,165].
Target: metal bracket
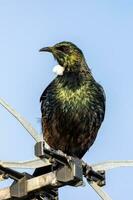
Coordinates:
[71,174]
[19,188]
[73,169]
[10,173]
[39,149]
[94,176]
[70,170]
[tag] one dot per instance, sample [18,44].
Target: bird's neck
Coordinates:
[74,80]
[79,70]
[76,66]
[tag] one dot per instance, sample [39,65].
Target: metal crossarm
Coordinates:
[65,169]
[26,184]
[66,175]
[32,185]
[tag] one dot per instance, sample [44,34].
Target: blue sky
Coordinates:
[104,31]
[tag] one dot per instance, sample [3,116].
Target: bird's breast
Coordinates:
[78,96]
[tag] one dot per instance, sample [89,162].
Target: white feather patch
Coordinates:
[58,69]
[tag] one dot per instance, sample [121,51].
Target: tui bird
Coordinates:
[73,105]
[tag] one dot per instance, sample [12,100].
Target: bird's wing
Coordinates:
[43,95]
[47,100]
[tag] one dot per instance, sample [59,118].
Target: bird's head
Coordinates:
[67,54]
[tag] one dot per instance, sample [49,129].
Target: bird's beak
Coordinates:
[47,49]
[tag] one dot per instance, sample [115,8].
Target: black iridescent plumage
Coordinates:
[73,105]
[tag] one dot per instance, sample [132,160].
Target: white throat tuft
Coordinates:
[58,70]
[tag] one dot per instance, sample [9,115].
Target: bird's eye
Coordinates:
[63,49]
